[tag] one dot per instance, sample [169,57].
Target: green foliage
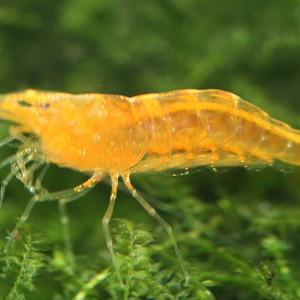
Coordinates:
[143,278]
[245,246]
[20,267]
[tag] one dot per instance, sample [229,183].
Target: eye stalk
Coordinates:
[24,103]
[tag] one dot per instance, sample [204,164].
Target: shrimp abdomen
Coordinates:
[213,127]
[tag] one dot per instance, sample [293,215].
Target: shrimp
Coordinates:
[102,134]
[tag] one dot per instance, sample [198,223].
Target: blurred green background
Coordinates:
[238,229]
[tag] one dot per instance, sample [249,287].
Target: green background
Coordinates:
[238,229]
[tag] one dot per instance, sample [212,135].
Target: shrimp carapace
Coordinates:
[117,135]
[151,132]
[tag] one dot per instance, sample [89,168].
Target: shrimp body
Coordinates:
[152,132]
[117,135]
[91,133]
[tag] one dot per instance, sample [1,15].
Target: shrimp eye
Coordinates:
[44,106]
[24,103]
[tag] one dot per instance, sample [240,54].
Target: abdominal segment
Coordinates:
[217,136]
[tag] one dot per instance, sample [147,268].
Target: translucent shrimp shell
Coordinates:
[117,135]
[152,132]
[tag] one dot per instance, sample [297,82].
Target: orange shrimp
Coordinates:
[112,134]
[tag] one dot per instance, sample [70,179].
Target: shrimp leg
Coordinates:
[64,220]
[7,140]
[106,220]
[153,213]
[67,195]
[5,182]
[15,169]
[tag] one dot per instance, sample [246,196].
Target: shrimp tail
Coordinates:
[281,142]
